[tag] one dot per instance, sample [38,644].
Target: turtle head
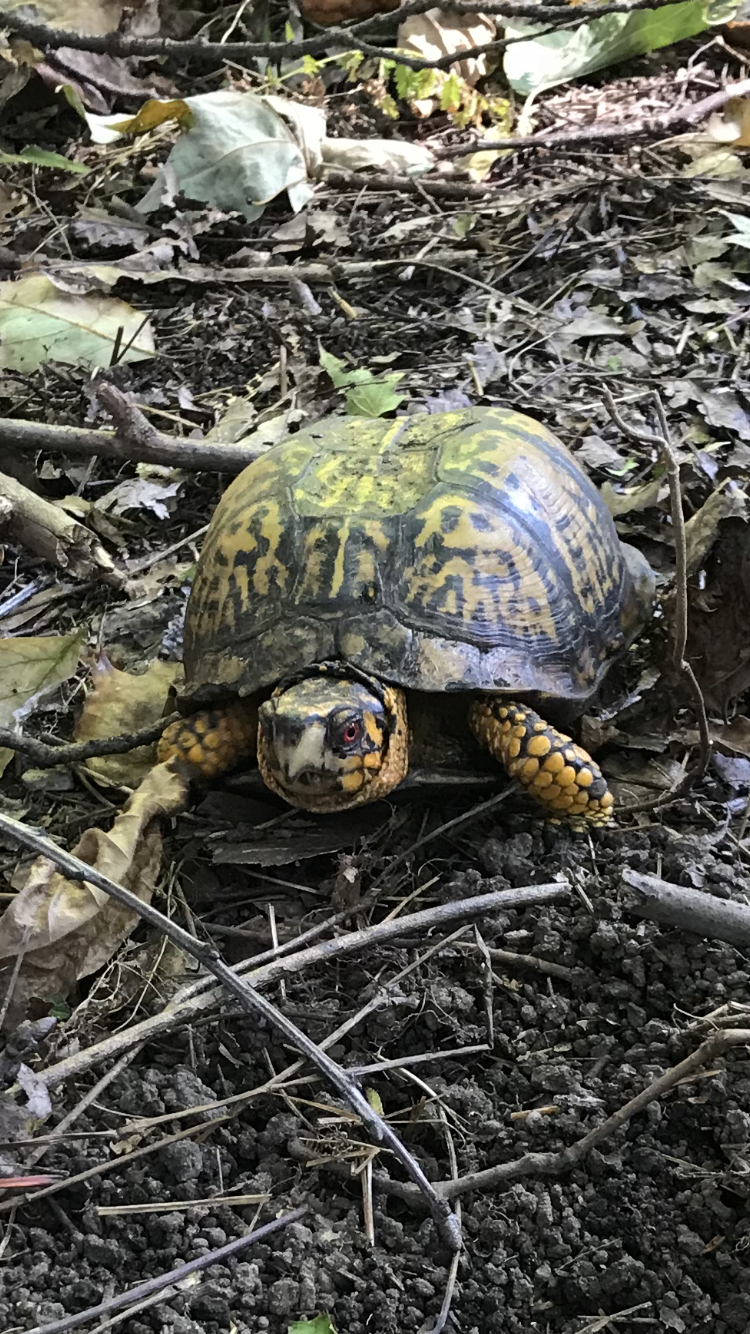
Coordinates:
[329,740]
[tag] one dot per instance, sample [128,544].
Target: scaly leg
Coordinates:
[550,766]
[214,740]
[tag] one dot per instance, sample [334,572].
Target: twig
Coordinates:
[687,909]
[253,1003]
[193,455]
[49,532]
[554,1164]
[205,999]
[47,756]
[532,961]
[133,1295]
[636,127]
[661,440]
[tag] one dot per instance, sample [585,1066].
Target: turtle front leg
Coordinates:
[549,765]
[214,740]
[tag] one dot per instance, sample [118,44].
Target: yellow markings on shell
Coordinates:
[339,569]
[584,778]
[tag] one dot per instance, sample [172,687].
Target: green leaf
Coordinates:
[375,398]
[288,32]
[335,369]
[320,1324]
[310,65]
[38,322]
[451,93]
[375,1100]
[40,157]
[559,56]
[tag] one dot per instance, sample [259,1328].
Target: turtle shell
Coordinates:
[463,550]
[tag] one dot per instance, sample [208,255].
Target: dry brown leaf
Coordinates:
[120,702]
[66,930]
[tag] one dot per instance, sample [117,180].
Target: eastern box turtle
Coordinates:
[362,571]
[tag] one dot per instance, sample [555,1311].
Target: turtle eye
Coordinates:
[351,731]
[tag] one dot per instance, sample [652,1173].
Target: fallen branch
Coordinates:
[48,38]
[183,1271]
[192,455]
[554,1164]
[205,998]
[636,127]
[661,441]
[687,909]
[49,532]
[252,1003]
[47,756]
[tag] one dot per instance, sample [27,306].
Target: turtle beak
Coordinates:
[303,755]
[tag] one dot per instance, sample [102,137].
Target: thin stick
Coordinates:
[554,1164]
[662,441]
[133,1295]
[253,1003]
[47,756]
[197,1000]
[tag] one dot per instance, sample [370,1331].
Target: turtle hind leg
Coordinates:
[213,741]
[560,775]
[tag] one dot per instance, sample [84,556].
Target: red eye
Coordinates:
[351,733]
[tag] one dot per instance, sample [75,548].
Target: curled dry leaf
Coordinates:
[65,930]
[394,155]
[121,702]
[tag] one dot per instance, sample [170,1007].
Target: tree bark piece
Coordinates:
[49,532]
[687,909]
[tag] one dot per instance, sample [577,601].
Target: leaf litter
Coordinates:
[568,274]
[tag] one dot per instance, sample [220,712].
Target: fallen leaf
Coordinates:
[29,670]
[41,157]
[366,395]
[97,17]
[140,493]
[237,154]
[728,501]
[438,33]
[320,1324]
[66,930]
[545,61]
[396,155]
[633,497]
[39,323]
[120,702]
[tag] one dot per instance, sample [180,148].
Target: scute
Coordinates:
[461,551]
